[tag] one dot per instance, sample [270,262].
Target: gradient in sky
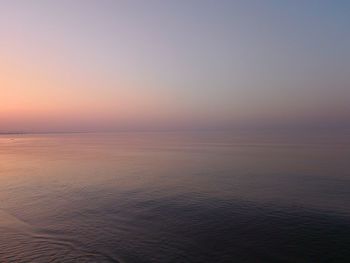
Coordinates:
[113,65]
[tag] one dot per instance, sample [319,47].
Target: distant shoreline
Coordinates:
[25,133]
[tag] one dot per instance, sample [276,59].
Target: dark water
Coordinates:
[169,197]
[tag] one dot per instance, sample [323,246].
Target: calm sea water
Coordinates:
[174,197]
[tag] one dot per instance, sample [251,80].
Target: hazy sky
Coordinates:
[104,65]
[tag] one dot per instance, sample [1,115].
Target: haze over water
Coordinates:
[174,131]
[174,197]
[170,65]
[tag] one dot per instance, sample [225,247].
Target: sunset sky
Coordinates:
[133,65]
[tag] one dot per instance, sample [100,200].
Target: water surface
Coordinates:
[174,197]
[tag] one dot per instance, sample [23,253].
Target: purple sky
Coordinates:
[134,65]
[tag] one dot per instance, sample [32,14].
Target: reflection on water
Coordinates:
[167,197]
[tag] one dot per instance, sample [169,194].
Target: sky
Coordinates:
[74,65]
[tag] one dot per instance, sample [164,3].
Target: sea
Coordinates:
[174,197]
